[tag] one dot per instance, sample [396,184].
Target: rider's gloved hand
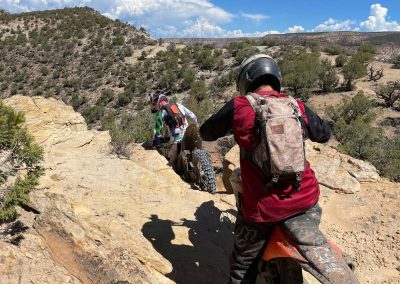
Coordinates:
[165,139]
[157,141]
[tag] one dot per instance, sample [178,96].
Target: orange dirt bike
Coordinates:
[298,252]
[193,163]
[303,256]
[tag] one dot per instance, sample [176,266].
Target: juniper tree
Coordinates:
[20,159]
[390,93]
[327,78]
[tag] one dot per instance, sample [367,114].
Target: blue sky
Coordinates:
[235,18]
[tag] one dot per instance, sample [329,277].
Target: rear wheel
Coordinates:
[204,170]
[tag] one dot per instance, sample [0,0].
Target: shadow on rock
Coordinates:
[12,233]
[207,259]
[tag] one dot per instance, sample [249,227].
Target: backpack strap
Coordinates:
[299,114]
[254,100]
[295,105]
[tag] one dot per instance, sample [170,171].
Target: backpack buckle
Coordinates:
[297,183]
[271,183]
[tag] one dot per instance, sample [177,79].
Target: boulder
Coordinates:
[230,162]
[334,170]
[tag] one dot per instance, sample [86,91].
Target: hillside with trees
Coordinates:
[105,69]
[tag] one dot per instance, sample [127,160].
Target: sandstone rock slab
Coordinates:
[108,219]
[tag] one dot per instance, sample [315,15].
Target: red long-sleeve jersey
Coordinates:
[282,201]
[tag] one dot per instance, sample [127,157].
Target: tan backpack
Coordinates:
[281,151]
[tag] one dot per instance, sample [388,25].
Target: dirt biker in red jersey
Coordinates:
[260,209]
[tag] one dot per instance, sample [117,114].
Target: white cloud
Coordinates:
[240,33]
[31,5]
[157,15]
[204,29]
[377,20]
[332,25]
[167,31]
[157,11]
[295,29]
[257,18]
[168,11]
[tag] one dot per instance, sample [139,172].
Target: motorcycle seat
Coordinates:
[304,230]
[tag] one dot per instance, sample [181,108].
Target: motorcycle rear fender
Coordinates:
[325,262]
[280,245]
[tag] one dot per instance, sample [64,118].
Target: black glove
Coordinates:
[157,141]
[165,139]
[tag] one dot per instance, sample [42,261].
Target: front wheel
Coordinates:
[204,170]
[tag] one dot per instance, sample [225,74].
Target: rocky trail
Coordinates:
[103,219]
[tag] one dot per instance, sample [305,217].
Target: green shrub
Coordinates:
[396,61]
[56,74]
[351,109]
[352,126]
[18,152]
[137,129]
[389,92]
[300,73]
[123,99]
[363,57]
[44,71]
[206,60]
[199,90]
[314,47]
[202,109]
[334,49]
[389,162]
[142,85]
[188,77]
[93,114]
[141,104]
[367,48]
[77,101]
[358,139]
[354,69]
[327,78]
[340,60]
[221,82]
[168,80]
[245,53]
[106,97]
[4,86]
[88,82]
[118,40]
[143,55]
[241,50]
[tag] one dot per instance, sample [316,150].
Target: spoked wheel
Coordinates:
[204,170]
